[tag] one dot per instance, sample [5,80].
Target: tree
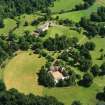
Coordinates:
[102,69]
[34,22]
[11,8]
[87,80]
[85,52]
[45,78]
[95,70]
[59,43]
[1,23]
[85,5]
[100,103]
[95,17]
[76,103]
[2,86]
[85,65]
[26,23]
[89,45]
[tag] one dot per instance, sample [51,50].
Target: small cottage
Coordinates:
[58,73]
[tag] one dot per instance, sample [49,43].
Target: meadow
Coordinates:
[9,25]
[21,73]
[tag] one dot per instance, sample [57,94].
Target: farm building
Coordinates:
[58,73]
[43,28]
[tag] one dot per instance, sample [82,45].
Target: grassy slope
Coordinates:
[20,71]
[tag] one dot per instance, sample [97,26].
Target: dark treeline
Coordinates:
[95,24]
[85,5]
[101,97]
[10,44]
[98,16]
[59,43]
[13,97]
[11,8]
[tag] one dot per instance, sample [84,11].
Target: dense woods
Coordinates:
[98,16]
[85,5]
[95,24]
[11,8]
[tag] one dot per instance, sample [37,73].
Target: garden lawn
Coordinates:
[21,73]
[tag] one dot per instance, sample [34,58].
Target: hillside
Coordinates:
[52,48]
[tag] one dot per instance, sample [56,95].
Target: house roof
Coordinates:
[57,75]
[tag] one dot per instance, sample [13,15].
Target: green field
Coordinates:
[62,5]
[100,44]
[22,19]
[9,25]
[76,16]
[62,30]
[21,73]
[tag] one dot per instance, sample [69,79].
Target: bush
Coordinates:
[2,86]
[87,80]
[1,23]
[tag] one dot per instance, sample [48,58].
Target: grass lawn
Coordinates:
[9,25]
[21,73]
[20,31]
[62,5]
[29,18]
[100,44]
[63,30]
[67,95]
